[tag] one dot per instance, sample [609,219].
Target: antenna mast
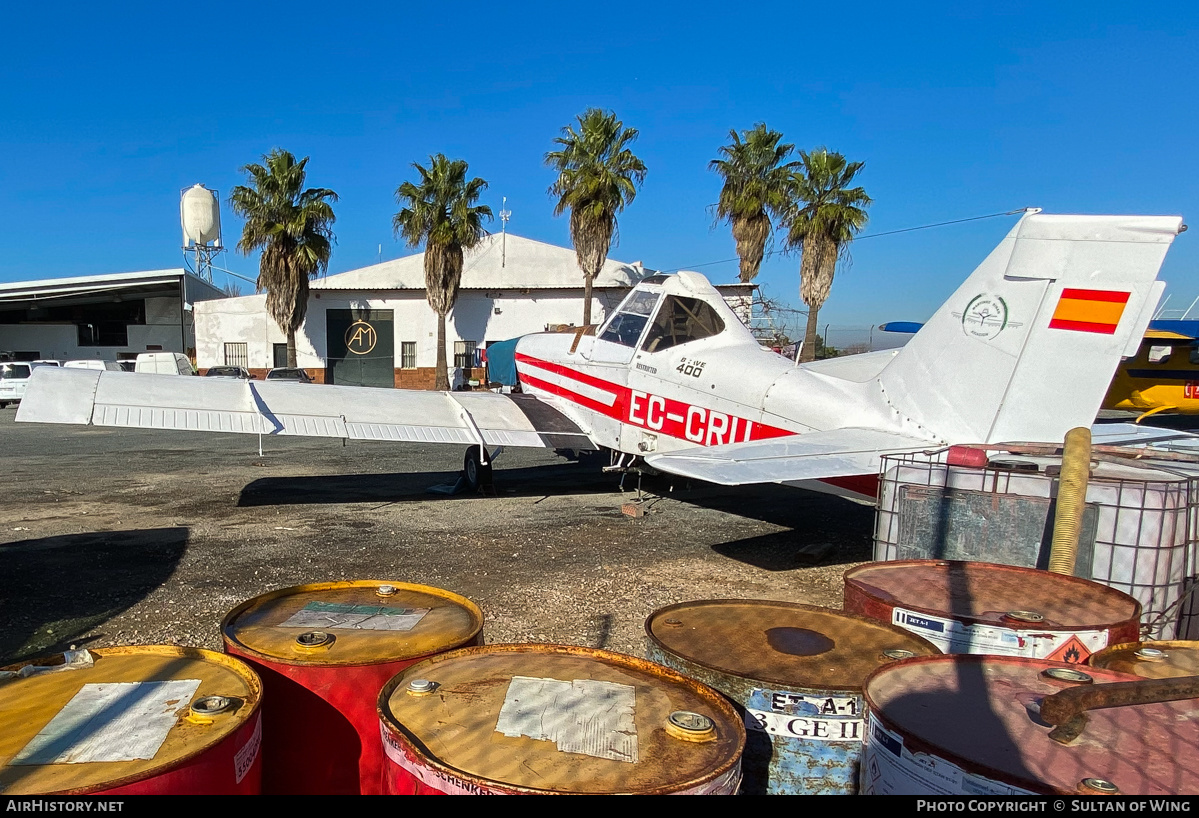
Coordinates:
[505,214]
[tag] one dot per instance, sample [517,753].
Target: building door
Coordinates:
[361,347]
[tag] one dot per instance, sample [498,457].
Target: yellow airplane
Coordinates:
[1164,374]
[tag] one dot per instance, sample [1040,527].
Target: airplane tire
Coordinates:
[477,473]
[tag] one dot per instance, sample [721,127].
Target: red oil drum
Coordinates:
[1151,660]
[1003,610]
[508,719]
[144,720]
[984,725]
[324,651]
[795,672]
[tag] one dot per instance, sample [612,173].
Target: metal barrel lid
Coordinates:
[1151,660]
[364,622]
[783,643]
[983,714]
[994,594]
[560,718]
[133,713]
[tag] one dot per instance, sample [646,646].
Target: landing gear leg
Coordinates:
[477,473]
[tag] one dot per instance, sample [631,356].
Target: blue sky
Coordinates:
[1089,108]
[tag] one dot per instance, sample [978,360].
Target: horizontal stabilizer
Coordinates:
[195,404]
[810,456]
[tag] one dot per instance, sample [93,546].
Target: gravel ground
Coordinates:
[115,537]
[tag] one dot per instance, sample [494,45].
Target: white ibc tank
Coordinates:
[200,213]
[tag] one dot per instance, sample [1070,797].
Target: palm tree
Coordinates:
[292,228]
[597,177]
[441,212]
[823,218]
[756,187]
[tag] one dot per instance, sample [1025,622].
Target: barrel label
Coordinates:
[888,768]
[434,779]
[807,716]
[111,721]
[952,636]
[336,615]
[805,704]
[726,784]
[817,729]
[243,760]
[584,716]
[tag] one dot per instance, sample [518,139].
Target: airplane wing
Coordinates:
[810,456]
[140,400]
[855,451]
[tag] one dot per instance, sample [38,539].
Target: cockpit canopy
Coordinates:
[672,320]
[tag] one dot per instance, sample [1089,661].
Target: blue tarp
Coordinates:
[501,362]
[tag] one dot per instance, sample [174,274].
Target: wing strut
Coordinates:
[472,427]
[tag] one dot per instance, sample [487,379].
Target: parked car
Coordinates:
[229,372]
[287,373]
[46,362]
[163,363]
[111,366]
[14,378]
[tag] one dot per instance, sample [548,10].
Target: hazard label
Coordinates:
[952,636]
[1072,650]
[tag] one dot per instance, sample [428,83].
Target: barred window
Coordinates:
[237,355]
[464,354]
[408,355]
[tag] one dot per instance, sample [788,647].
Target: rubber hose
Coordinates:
[1071,500]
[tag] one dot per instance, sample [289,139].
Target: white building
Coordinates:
[106,317]
[373,326]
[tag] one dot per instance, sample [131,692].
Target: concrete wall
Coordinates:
[474,318]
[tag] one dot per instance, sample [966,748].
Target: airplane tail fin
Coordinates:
[1027,346]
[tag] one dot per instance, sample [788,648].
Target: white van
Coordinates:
[14,378]
[163,363]
[112,366]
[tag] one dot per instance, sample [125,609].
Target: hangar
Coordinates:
[104,317]
[373,326]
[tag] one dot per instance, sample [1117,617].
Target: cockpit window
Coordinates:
[681,320]
[626,326]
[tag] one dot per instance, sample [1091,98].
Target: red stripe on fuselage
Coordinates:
[696,424]
[573,397]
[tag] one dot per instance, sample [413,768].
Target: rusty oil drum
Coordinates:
[324,651]
[794,671]
[981,725]
[1151,660]
[508,719]
[142,720]
[1004,610]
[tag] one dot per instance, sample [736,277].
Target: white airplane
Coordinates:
[1023,351]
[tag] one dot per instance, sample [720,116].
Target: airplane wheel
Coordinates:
[477,473]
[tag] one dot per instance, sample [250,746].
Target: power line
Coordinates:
[867,236]
[942,224]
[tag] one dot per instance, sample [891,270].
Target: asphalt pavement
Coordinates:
[118,536]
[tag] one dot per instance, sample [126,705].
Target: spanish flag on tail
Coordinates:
[1089,310]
